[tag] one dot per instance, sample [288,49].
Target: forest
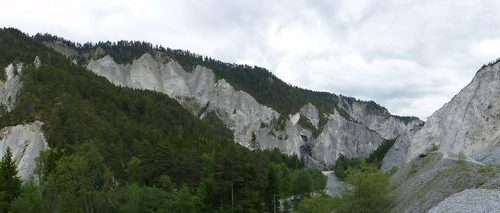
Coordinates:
[259,82]
[117,149]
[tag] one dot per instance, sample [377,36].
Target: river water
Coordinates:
[332,183]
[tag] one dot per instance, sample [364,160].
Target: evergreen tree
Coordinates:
[272,190]
[29,201]
[132,170]
[10,184]
[206,188]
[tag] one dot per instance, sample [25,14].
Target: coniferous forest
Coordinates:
[123,150]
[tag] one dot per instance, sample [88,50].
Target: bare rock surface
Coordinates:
[11,85]
[470,200]
[468,124]
[254,125]
[26,141]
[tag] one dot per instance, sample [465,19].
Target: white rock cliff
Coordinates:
[253,123]
[25,141]
[466,127]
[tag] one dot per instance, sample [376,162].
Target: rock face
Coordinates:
[25,141]
[342,136]
[448,154]
[468,125]
[10,86]
[254,125]
[470,200]
[61,48]
[379,120]
[396,156]
[310,112]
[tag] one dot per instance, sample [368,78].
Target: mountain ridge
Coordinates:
[188,61]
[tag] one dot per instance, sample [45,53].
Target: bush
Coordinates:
[366,190]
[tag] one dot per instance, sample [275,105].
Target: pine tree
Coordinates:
[10,184]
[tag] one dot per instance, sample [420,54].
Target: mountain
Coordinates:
[261,110]
[146,127]
[457,148]
[90,145]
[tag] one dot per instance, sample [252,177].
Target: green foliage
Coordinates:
[367,190]
[257,81]
[488,169]
[321,125]
[343,164]
[306,124]
[78,181]
[93,129]
[17,46]
[377,156]
[284,182]
[132,169]
[10,184]
[30,200]
[434,148]
[319,203]
[280,124]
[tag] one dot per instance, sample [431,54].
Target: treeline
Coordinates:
[82,182]
[262,84]
[365,189]
[120,149]
[344,163]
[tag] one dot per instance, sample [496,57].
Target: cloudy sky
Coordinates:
[409,56]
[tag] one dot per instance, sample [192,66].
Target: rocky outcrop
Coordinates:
[26,141]
[450,153]
[199,92]
[37,62]
[467,126]
[343,136]
[396,156]
[470,200]
[62,48]
[254,125]
[377,118]
[310,112]
[11,85]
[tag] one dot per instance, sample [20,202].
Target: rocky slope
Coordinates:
[25,141]
[11,85]
[457,149]
[470,200]
[467,126]
[257,126]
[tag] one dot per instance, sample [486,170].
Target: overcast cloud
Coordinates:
[409,56]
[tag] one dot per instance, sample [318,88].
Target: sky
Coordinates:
[409,56]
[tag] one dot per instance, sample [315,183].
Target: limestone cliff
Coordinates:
[11,85]
[470,200]
[452,151]
[468,125]
[25,141]
[256,125]
[343,136]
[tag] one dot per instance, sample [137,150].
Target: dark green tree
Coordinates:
[206,189]
[132,169]
[29,201]
[10,184]
[368,191]
[272,190]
